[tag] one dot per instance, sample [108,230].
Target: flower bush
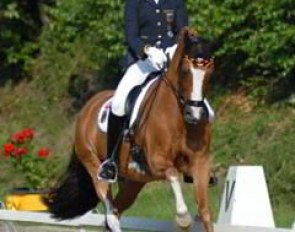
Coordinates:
[31,163]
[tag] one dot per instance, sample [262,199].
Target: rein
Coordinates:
[182,101]
[177,93]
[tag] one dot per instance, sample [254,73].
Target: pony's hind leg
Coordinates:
[183,218]
[103,192]
[128,192]
[91,163]
[112,220]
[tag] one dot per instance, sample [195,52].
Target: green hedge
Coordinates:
[81,46]
[20,25]
[254,45]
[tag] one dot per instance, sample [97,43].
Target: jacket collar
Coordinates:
[153,3]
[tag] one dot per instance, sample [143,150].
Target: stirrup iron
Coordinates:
[104,171]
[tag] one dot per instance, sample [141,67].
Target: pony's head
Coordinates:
[195,69]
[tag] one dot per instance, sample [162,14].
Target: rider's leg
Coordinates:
[108,169]
[135,75]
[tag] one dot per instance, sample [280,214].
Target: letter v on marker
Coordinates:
[229,193]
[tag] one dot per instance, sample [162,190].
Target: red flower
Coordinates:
[43,152]
[8,149]
[22,136]
[20,151]
[28,133]
[17,138]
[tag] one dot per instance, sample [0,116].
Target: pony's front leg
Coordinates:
[200,172]
[183,218]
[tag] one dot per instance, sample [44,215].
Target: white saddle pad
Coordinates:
[103,114]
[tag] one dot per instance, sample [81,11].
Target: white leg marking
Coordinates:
[181,207]
[183,218]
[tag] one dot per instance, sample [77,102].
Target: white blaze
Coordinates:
[198,79]
[197,93]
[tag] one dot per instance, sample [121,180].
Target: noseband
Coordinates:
[183,102]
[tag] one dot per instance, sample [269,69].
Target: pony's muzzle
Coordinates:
[193,114]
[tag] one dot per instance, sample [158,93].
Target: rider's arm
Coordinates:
[132,28]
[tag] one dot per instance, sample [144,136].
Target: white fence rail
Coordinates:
[88,220]
[20,221]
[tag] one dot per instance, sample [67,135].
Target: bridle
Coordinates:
[183,102]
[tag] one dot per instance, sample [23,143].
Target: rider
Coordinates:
[151,27]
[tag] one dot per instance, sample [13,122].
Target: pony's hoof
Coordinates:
[207,226]
[184,221]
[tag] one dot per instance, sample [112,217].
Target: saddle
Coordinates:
[132,106]
[134,94]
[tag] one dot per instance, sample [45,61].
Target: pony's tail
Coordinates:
[74,195]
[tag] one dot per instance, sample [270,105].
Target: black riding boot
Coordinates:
[108,170]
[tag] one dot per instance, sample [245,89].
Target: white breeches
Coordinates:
[135,75]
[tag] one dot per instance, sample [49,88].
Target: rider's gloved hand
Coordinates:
[156,57]
[170,51]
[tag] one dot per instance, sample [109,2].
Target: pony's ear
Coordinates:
[183,34]
[187,36]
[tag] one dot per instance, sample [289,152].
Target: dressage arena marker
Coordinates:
[245,199]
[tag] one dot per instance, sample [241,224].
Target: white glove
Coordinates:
[156,57]
[170,51]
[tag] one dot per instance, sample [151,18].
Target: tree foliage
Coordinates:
[81,46]
[253,41]
[20,25]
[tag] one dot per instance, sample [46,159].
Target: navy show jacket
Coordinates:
[149,23]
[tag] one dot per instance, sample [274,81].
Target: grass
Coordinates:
[284,215]
[156,201]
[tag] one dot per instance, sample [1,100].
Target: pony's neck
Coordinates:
[167,92]
[173,69]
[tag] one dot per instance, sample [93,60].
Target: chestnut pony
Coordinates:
[173,132]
